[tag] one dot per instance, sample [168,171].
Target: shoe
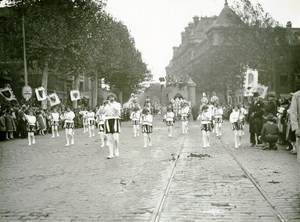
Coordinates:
[145,146]
[150,144]
[29,144]
[57,135]
[33,142]
[265,148]
[53,137]
[102,145]
[67,145]
[117,154]
[109,157]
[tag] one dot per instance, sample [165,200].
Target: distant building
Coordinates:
[204,34]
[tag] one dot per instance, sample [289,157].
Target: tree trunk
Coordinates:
[76,87]
[45,83]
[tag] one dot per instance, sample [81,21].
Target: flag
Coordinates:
[7,93]
[40,93]
[262,90]
[53,99]
[251,80]
[75,95]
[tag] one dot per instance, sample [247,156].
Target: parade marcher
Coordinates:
[41,122]
[83,114]
[244,113]
[135,117]
[31,127]
[169,118]
[147,126]
[54,116]
[112,112]
[295,119]
[214,99]
[100,119]
[236,119]
[206,125]
[185,111]
[218,118]
[269,133]
[91,122]
[256,112]
[69,125]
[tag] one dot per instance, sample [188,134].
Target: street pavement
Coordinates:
[174,180]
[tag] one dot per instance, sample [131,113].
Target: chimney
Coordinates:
[289,24]
[196,20]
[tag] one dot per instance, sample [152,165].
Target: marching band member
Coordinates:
[218,118]
[236,118]
[244,112]
[69,125]
[54,116]
[100,119]
[135,117]
[147,127]
[112,112]
[169,118]
[206,125]
[31,127]
[184,117]
[91,122]
[83,113]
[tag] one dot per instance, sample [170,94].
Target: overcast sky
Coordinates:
[156,24]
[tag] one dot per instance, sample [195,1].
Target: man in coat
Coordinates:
[295,119]
[256,113]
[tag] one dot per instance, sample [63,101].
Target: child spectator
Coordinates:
[270,133]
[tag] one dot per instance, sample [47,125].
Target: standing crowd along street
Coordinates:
[271,121]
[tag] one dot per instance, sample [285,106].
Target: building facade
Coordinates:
[204,35]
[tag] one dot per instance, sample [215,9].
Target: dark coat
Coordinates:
[257,110]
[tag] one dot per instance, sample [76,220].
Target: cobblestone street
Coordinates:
[174,180]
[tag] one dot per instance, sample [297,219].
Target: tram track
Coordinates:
[276,211]
[159,208]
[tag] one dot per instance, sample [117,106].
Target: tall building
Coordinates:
[205,34]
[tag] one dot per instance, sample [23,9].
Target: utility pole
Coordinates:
[24,50]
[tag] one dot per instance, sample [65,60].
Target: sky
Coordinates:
[156,25]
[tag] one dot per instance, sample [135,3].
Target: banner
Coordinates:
[262,90]
[251,81]
[53,99]
[7,93]
[75,95]
[40,93]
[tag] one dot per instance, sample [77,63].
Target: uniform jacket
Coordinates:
[257,109]
[295,111]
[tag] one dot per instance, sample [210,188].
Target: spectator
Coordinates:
[295,115]
[270,133]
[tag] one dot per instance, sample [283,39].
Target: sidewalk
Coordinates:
[55,183]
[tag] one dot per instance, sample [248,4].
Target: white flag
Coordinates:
[75,95]
[53,99]
[40,93]
[7,93]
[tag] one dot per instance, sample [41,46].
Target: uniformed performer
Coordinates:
[54,116]
[206,125]
[91,122]
[236,118]
[135,118]
[147,127]
[185,110]
[218,119]
[112,112]
[31,127]
[100,119]
[69,125]
[169,118]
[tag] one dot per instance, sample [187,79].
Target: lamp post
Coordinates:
[24,52]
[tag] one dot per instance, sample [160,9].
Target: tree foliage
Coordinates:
[76,37]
